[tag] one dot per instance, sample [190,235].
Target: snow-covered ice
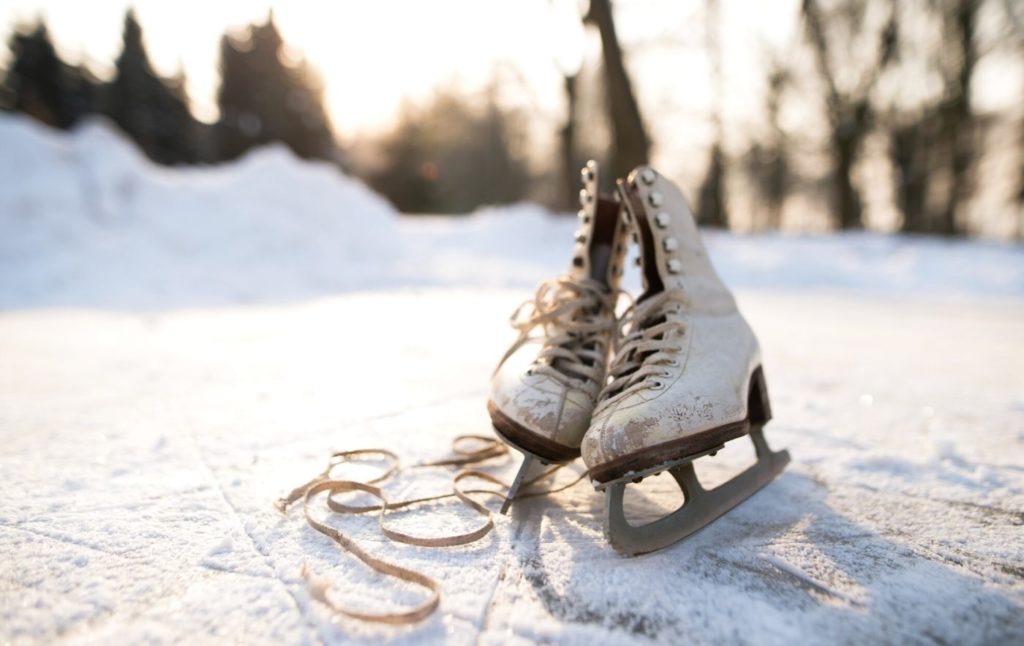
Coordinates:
[178,348]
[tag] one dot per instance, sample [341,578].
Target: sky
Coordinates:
[375,55]
[385,51]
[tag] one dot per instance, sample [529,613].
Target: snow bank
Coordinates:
[87,221]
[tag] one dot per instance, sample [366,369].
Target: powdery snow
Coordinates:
[180,347]
[88,221]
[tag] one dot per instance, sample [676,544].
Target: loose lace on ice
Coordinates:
[467,450]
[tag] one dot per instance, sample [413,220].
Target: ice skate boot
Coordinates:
[686,378]
[546,386]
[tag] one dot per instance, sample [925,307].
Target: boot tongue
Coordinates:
[600,242]
[595,240]
[595,254]
[651,277]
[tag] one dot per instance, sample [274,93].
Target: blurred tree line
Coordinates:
[903,74]
[457,151]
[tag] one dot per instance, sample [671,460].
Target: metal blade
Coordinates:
[701,506]
[530,469]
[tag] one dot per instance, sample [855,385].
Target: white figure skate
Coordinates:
[686,378]
[546,386]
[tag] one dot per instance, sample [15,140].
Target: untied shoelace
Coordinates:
[488,448]
[576,316]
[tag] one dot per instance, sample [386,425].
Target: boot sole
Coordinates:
[659,457]
[526,440]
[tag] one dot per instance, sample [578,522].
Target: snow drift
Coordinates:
[88,220]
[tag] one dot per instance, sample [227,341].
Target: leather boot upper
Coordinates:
[686,355]
[549,381]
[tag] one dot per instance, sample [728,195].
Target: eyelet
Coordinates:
[674,363]
[657,384]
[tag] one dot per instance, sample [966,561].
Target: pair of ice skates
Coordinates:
[671,380]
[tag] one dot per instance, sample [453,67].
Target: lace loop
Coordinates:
[576,316]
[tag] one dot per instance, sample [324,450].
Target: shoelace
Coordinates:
[489,448]
[575,315]
[642,350]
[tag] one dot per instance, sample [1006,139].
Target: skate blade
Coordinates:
[700,507]
[531,468]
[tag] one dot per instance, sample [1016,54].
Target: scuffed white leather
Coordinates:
[718,351]
[541,404]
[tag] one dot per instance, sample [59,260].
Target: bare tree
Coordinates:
[767,161]
[933,147]
[960,18]
[848,109]
[910,147]
[1015,14]
[711,204]
[630,143]
[567,144]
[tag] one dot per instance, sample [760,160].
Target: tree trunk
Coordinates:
[908,153]
[846,198]
[711,211]
[960,118]
[711,207]
[630,145]
[567,148]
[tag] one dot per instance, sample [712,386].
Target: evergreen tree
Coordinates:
[152,111]
[263,99]
[41,85]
